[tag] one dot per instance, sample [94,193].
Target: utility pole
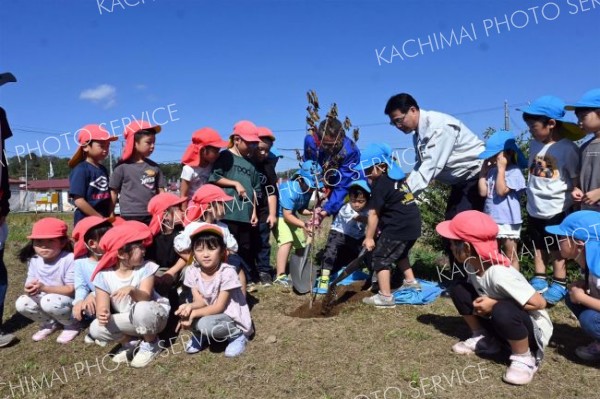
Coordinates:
[506,116]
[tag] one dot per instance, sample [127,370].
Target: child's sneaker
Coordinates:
[251,287]
[68,334]
[380,301]
[265,279]
[121,355]
[6,339]
[194,345]
[481,345]
[407,285]
[145,354]
[236,346]
[555,293]
[590,352]
[89,340]
[45,330]
[322,285]
[521,370]
[539,283]
[282,280]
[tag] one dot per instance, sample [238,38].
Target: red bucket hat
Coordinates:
[48,228]
[157,207]
[202,138]
[265,132]
[130,130]
[119,236]
[205,195]
[87,134]
[477,229]
[81,230]
[246,130]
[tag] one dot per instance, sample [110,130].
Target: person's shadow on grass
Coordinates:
[566,338]
[16,322]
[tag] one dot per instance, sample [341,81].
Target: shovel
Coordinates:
[300,270]
[351,268]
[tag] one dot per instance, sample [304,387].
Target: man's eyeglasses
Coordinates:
[398,121]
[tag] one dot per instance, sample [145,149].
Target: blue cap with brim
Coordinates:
[584,226]
[362,184]
[310,171]
[502,141]
[554,108]
[378,153]
[590,99]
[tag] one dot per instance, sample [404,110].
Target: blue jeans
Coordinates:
[262,248]
[588,318]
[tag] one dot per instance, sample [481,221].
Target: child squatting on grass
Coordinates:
[219,311]
[127,306]
[49,288]
[496,302]
[580,241]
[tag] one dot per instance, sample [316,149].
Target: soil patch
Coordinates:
[345,294]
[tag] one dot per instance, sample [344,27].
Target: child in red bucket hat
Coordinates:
[496,301]
[166,224]
[49,288]
[234,172]
[198,159]
[88,180]
[87,253]
[219,310]
[126,303]
[136,179]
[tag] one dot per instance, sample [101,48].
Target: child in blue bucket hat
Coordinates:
[581,242]
[587,110]
[553,174]
[393,210]
[347,233]
[502,183]
[294,196]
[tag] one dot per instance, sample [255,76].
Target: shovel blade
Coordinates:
[300,272]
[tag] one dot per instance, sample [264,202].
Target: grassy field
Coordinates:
[359,353]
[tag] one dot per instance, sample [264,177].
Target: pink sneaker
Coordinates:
[68,334]
[521,370]
[45,330]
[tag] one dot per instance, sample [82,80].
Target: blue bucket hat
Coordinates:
[554,108]
[378,153]
[308,171]
[590,99]
[584,226]
[501,141]
[362,184]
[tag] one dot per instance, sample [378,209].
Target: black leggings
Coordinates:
[508,320]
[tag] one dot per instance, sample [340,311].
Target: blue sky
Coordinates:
[214,63]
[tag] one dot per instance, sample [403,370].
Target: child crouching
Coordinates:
[219,311]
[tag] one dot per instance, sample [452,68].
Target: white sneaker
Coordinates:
[145,354]
[521,370]
[380,301]
[121,355]
[89,340]
[481,345]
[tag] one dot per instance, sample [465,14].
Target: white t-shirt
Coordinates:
[196,176]
[504,282]
[108,281]
[60,272]
[345,223]
[182,241]
[552,168]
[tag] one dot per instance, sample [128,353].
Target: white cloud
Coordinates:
[141,87]
[103,94]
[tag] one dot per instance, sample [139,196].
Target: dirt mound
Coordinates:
[346,294]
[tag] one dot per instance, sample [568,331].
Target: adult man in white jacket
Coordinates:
[446,150]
